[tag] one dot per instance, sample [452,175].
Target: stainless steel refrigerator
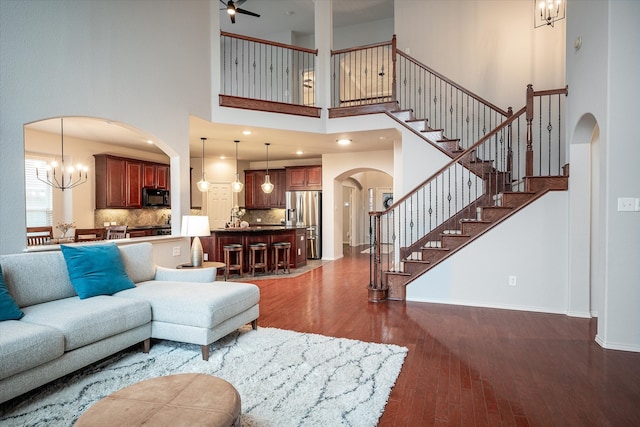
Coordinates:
[304,209]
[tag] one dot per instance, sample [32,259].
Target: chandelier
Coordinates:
[60,177]
[547,12]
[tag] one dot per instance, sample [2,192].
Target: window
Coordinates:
[39,196]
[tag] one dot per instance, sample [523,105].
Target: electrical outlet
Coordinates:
[626,204]
[205,257]
[176,251]
[258,219]
[513,280]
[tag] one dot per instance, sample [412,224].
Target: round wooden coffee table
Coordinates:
[173,400]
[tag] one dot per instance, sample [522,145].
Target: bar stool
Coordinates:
[284,249]
[258,258]
[233,250]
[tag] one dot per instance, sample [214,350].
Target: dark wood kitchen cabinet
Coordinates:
[300,178]
[118,182]
[155,175]
[255,198]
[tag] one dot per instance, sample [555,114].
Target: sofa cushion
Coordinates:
[9,310]
[36,277]
[138,261]
[96,269]
[25,345]
[202,305]
[86,321]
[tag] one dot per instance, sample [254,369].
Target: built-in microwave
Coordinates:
[155,198]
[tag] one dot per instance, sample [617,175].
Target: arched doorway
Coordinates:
[356,205]
[83,138]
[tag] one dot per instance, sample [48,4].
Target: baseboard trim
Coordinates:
[617,346]
[581,314]
[483,305]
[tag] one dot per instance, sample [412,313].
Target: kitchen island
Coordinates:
[213,245]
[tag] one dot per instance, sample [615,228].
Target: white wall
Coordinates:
[531,245]
[489,47]
[124,61]
[603,84]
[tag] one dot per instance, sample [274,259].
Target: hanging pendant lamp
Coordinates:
[267,186]
[203,184]
[236,186]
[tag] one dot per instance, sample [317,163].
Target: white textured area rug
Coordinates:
[284,378]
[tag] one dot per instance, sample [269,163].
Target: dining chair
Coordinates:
[39,235]
[89,234]
[116,232]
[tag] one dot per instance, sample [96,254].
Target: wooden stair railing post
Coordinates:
[529,118]
[393,72]
[377,290]
[510,145]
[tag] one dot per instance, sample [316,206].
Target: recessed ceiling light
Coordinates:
[149,141]
[299,152]
[222,157]
[246,132]
[344,141]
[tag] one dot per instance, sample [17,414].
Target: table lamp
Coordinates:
[194,226]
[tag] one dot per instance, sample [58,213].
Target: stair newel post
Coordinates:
[393,69]
[377,290]
[529,118]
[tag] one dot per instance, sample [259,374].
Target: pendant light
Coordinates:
[203,184]
[236,186]
[267,186]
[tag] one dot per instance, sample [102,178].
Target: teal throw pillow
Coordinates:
[96,269]
[9,310]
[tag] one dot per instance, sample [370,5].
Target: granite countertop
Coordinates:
[254,229]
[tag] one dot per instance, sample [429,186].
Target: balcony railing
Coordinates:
[260,70]
[363,75]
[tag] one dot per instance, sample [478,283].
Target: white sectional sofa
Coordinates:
[60,333]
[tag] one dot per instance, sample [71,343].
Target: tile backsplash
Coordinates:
[138,217]
[266,216]
[131,217]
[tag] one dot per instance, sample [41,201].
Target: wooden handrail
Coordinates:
[456,159]
[563,91]
[452,83]
[269,42]
[367,46]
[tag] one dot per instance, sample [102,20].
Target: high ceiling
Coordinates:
[276,16]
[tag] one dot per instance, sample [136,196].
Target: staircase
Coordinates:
[511,166]
[441,244]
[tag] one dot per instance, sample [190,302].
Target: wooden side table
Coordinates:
[207,264]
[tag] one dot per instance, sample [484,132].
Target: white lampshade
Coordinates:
[194,226]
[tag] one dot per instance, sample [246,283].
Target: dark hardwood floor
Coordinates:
[466,366]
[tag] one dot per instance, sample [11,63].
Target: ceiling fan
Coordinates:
[232,8]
